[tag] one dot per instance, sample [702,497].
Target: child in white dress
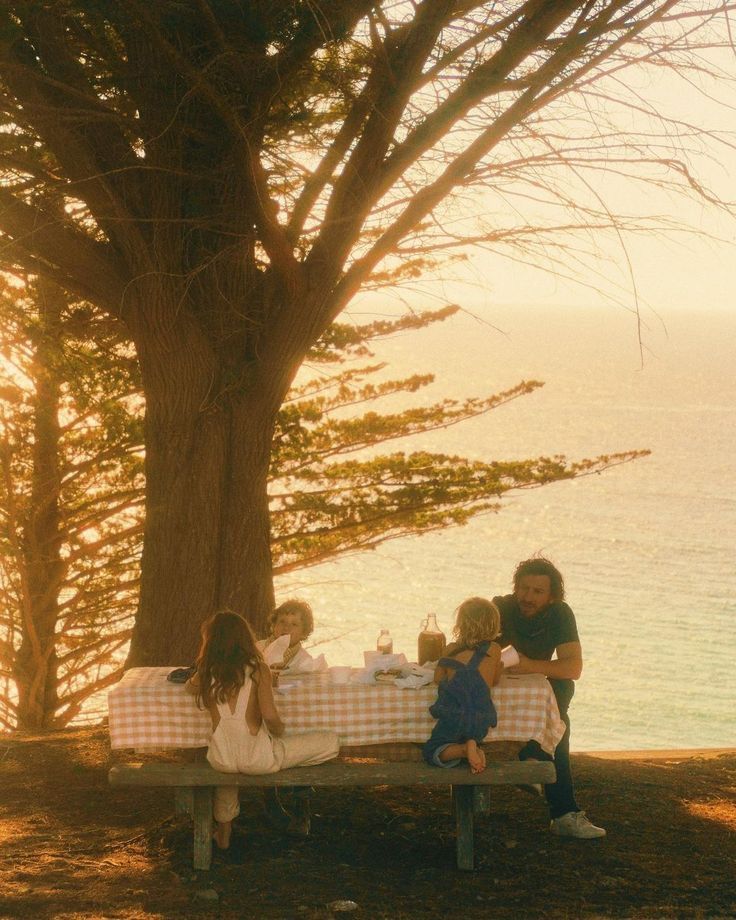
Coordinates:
[234,684]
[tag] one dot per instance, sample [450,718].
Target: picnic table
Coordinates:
[149,713]
[146,712]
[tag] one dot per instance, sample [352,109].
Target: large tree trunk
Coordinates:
[35,667]
[207,541]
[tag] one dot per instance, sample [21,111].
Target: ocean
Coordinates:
[646,548]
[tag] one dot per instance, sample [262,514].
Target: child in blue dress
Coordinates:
[464,709]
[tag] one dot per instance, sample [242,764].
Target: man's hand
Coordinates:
[525,666]
[568,664]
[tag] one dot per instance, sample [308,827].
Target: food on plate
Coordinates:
[388,676]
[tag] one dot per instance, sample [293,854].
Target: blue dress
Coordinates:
[464,709]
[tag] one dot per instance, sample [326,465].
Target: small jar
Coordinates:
[385,643]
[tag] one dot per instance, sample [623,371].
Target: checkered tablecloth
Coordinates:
[147,712]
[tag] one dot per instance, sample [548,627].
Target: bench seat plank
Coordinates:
[334,774]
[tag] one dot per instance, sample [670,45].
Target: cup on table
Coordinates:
[340,675]
[509,656]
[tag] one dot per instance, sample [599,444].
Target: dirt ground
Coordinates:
[72,847]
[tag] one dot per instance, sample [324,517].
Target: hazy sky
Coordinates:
[692,272]
[686,270]
[689,269]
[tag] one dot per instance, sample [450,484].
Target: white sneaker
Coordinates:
[575,824]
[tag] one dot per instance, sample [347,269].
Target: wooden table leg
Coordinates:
[202,827]
[462,799]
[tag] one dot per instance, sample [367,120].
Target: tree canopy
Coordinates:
[222,178]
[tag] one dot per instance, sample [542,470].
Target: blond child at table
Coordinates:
[293,618]
[465,674]
[234,683]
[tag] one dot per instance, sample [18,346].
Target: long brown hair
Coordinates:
[228,648]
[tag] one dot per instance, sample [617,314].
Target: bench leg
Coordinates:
[202,827]
[462,800]
[184,801]
[482,800]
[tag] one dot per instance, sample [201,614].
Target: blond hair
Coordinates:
[476,620]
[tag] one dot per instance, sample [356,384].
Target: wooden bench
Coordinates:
[194,783]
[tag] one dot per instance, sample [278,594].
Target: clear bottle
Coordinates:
[385,643]
[432,641]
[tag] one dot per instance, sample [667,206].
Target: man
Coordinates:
[537,622]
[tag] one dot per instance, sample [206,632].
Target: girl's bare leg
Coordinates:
[221,836]
[468,750]
[453,752]
[476,757]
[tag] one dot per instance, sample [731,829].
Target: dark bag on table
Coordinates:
[181,675]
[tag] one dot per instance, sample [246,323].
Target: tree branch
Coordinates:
[79,263]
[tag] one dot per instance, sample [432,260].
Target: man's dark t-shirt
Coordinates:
[536,637]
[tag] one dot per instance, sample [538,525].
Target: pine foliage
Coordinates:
[71,505]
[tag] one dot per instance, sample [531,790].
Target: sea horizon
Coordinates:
[645,548]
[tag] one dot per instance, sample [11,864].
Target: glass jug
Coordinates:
[432,641]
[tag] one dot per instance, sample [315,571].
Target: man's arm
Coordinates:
[568,664]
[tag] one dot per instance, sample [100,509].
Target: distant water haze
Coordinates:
[647,548]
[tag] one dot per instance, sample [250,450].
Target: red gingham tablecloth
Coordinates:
[147,712]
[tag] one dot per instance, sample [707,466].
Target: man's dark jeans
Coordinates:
[560,794]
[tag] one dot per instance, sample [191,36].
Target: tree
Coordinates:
[70,505]
[226,177]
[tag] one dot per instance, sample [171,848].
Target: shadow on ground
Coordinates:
[72,847]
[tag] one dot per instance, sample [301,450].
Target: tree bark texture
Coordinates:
[209,425]
[35,668]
